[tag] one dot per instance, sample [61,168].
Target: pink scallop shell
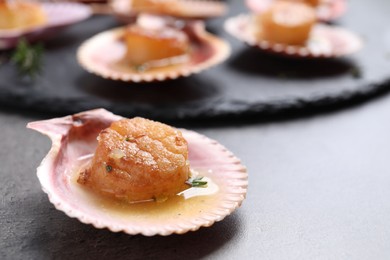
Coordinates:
[327,11]
[325,41]
[59,16]
[194,9]
[75,136]
[103,55]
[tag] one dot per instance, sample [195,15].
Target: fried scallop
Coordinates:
[19,14]
[138,159]
[155,47]
[287,23]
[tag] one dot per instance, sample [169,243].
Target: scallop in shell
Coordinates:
[58,16]
[199,9]
[327,10]
[206,50]
[73,144]
[324,41]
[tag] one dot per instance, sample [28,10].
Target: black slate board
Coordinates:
[248,83]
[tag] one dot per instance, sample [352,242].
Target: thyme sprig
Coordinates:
[108,168]
[197,182]
[28,58]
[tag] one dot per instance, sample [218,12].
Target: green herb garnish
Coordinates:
[28,58]
[197,182]
[108,168]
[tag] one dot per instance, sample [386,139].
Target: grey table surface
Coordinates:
[318,189]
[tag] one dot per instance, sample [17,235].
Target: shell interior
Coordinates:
[324,41]
[73,142]
[206,51]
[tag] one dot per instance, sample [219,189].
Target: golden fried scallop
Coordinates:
[138,159]
[287,23]
[18,14]
[146,45]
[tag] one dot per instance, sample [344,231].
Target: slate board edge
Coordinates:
[220,109]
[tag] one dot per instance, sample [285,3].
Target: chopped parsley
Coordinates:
[108,168]
[197,182]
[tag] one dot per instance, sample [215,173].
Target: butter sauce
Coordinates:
[187,203]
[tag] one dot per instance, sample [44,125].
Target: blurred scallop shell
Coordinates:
[325,41]
[59,16]
[103,55]
[74,138]
[191,9]
[327,10]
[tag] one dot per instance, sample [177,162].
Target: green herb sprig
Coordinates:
[28,58]
[108,168]
[197,182]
